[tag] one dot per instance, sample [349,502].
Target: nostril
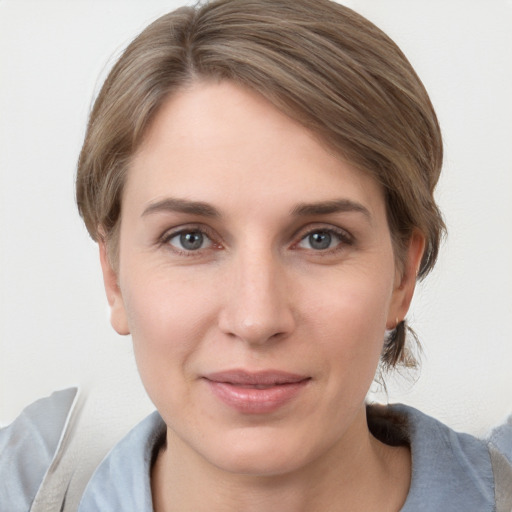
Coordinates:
[273,328]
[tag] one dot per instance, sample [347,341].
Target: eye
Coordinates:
[324,239]
[189,240]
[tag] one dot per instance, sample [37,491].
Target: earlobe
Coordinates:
[404,288]
[118,317]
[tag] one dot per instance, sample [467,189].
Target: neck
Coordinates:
[358,474]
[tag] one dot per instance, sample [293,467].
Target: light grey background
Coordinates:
[54,329]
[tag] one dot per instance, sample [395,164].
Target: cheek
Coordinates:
[354,302]
[162,303]
[350,323]
[167,321]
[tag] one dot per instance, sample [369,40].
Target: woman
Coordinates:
[259,177]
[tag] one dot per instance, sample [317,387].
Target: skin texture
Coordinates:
[258,294]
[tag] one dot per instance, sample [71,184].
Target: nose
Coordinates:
[258,305]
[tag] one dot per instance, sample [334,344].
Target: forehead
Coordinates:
[217,142]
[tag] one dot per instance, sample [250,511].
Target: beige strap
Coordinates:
[51,494]
[502,470]
[87,438]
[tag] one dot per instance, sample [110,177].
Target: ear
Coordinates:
[118,317]
[405,281]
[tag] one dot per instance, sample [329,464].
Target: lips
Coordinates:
[256,392]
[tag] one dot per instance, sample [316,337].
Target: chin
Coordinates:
[259,451]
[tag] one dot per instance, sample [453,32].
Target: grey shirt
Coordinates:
[450,471]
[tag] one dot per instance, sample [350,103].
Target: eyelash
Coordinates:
[166,238]
[344,237]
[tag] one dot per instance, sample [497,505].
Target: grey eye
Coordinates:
[325,239]
[190,240]
[320,240]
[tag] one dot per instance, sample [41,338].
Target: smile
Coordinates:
[256,392]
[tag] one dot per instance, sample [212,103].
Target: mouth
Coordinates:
[259,392]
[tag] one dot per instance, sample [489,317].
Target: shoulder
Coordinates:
[500,449]
[31,447]
[451,471]
[43,452]
[122,480]
[500,439]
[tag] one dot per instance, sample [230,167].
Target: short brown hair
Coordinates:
[317,61]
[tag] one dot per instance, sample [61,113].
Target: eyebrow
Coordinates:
[329,207]
[182,206]
[301,210]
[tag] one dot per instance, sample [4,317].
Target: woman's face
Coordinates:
[257,278]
